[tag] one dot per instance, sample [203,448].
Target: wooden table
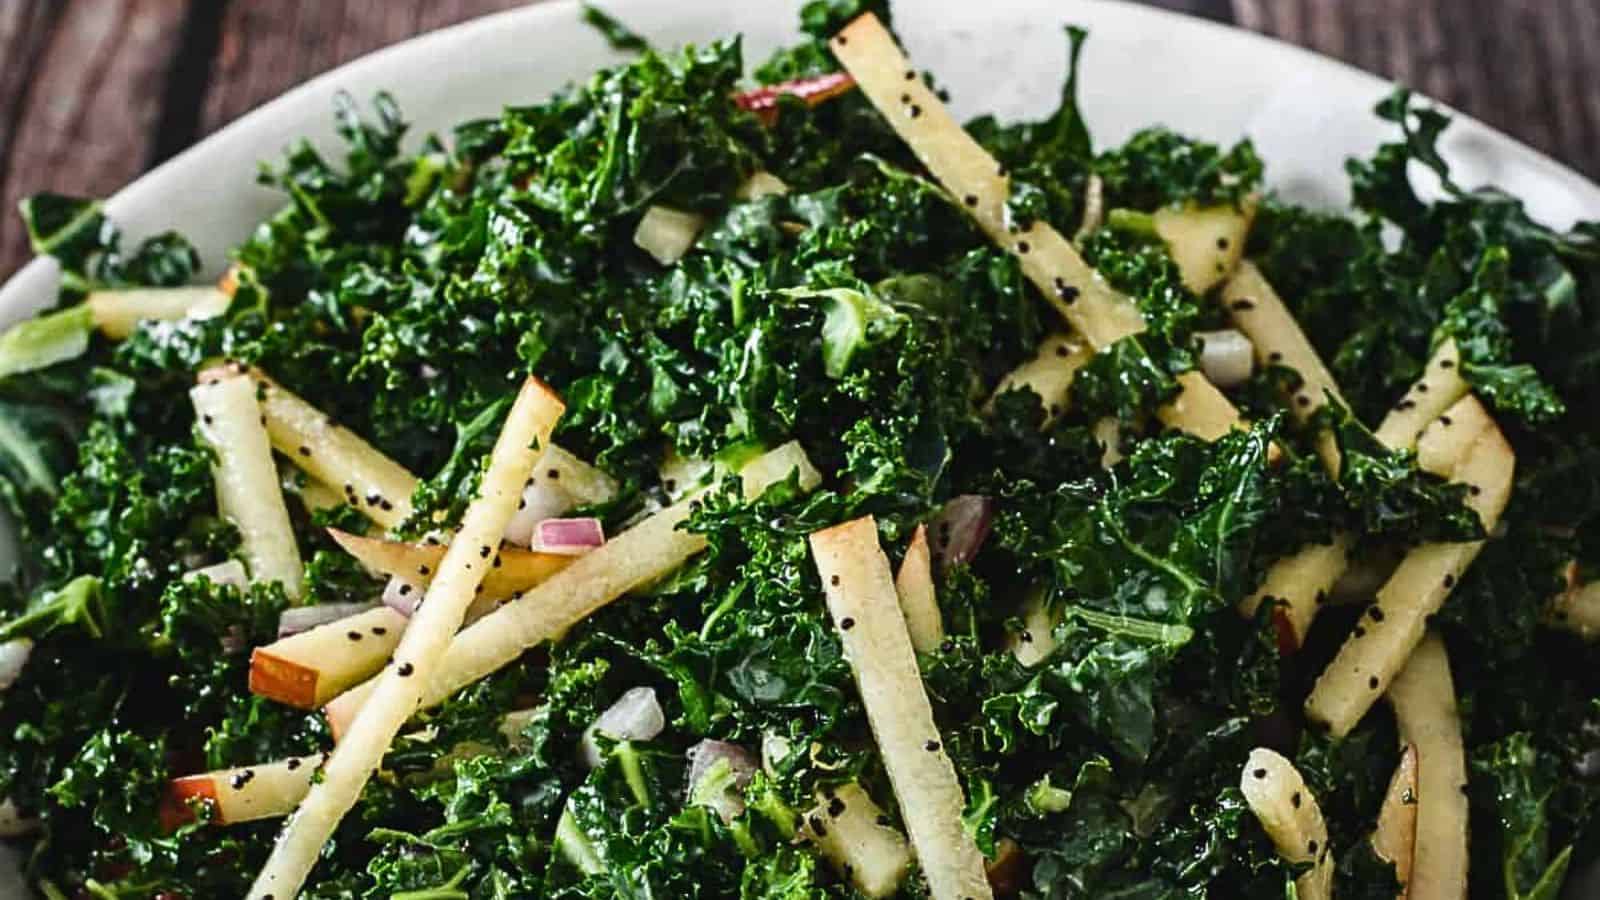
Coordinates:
[93,92]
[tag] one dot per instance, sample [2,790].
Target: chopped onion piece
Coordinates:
[761,184]
[230,571]
[1226,356]
[666,233]
[13,656]
[726,797]
[636,716]
[570,537]
[541,500]
[960,529]
[402,596]
[304,618]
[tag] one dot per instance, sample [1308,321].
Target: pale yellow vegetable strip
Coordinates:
[336,456]
[118,313]
[974,178]
[1206,242]
[1395,837]
[918,601]
[248,495]
[1439,386]
[861,599]
[399,687]
[1049,373]
[845,828]
[1578,610]
[1289,814]
[1255,308]
[245,794]
[1393,626]
[1424,699]
[1299,584]
[644,553]
[867,50]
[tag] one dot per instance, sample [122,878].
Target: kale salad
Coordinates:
[711,483]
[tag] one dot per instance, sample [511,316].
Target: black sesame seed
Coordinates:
[1373,682]
[292,764]
[1274,357]
[817,828]
[1376,613]
[1022,247]
[206,419]
[1405,405]
[1474,490]
[405,670]
[1422,387]
[910,75]
[931,746]
[405,588]
[1303,400]
[970,199]
[905,98]
[1447,364]
[522,502]
[1445,421]
[1294,799]
[1360,632]
[1026,637]
[1259,774]
[353,635]
[1449,581]
[554,474]
[1061,350]
[1222,243]
[847,623]
[840,39]
[915,110]
[379,630]
[304,450]
[836,807]
[374,499]
[483,552]
[834,580]
[423,570]
[1311,847]
[883,821]
[385,505]
[1242,304]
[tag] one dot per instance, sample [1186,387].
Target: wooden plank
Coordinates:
[269,46]
[1523,66]
[80,109]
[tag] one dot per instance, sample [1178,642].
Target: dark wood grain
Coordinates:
[1527,67]
[92,92]
[85,118]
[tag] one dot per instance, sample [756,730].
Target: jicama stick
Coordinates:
[373,483]
[918,601]
[1288,812]
[308,669]
[1206,242]
[1424,699]
[514,570]
[1577,610]
[118,313]
[1436,390]
[246,479]
[639,556]
[848,829]
[398,690]
[1395,837]
[1393,626]
[979,183]
[246,794]
[1049,373]
[861,599]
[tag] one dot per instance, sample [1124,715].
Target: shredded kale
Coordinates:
[404,288]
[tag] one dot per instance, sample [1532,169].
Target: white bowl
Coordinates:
[1306,113]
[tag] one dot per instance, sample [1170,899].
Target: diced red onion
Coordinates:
[541,500]
[304,618]
[569,537]
[1226,357]
[636,716]
[742,762]
[13,657]
[960,529]
[402,596]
